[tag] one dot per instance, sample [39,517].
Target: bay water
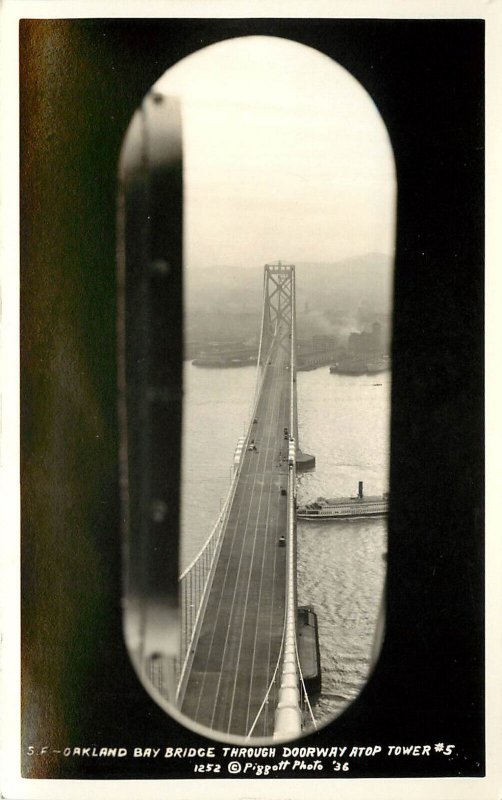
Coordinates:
[344,421]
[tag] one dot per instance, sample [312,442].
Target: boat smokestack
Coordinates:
[360,491]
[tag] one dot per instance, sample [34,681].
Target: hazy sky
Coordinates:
[285,156]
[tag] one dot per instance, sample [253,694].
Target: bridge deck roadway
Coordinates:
[240,637]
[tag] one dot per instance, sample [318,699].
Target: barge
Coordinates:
[308,651]
[345,507]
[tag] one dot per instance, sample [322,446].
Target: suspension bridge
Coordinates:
[226,644]
[241,670]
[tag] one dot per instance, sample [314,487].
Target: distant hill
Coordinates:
[341,285]
[223,287]
[344,285]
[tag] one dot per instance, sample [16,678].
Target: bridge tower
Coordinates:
[278,316]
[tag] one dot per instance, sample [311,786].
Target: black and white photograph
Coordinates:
[288,148]
[250,426]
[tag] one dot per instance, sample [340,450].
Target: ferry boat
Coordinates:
[345,507]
